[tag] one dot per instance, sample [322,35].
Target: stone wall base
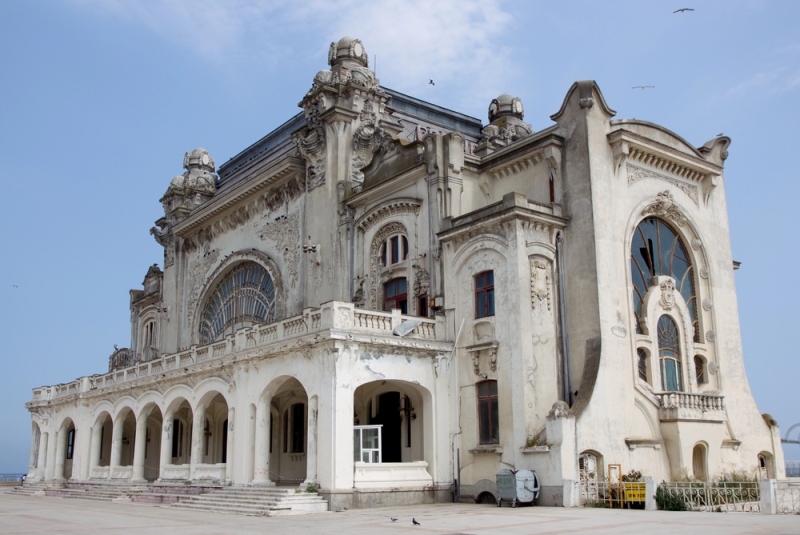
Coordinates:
[339,500]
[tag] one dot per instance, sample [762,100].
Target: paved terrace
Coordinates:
[25,515]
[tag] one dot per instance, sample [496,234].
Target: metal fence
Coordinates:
[10,478]
[723,496]
[787,498]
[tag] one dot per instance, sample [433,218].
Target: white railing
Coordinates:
[334,316]
[722,496]
[685,400]
[787,498]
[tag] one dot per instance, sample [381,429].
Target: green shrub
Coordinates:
[667,501]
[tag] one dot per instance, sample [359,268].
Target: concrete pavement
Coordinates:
[56,516]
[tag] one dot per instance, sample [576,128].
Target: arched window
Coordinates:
[245,295]
[657,250]
[700,370]
[394,250]
[643,372]
[669,355]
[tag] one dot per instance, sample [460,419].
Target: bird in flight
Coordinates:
[393,519]
[431,82]
[643,87]
[721,134]
[414,521]
[15,286]
[681,10]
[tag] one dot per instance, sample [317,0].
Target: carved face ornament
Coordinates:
[667,287]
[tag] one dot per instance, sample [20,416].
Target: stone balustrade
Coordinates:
[688,406]
[334,316]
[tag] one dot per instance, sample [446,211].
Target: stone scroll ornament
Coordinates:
[664,206]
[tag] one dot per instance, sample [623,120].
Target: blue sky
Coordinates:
[100,99]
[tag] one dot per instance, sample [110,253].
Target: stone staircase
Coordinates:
[103,493]
[255,501]
[33,489]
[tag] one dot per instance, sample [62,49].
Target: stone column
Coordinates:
[34,454]
[261,462]
[311,447]
[116,445]
[42,462]
[139,445]
[165,458]
[197,440]
[50,453]
[94,456]
[61,450]
[229,448]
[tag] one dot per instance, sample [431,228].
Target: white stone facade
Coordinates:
[535,331]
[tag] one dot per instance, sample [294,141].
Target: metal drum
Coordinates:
[516,486]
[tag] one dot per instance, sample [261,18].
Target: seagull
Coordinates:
[15,286]
[643,87]
[721,134]
[431,82]
[681,10]
[414,521]
[393,519]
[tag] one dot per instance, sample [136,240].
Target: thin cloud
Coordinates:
[778,79]
[458,43]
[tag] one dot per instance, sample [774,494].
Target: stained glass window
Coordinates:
[657,250]
[245,294]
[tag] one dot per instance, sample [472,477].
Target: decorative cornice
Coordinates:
[386,210]
[635,173]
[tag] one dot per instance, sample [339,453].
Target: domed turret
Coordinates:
[506,106]
[348,52]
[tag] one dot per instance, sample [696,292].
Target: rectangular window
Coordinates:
[367,443]
[488,427]
[298,427]
[395,241]
[422,306]
[484,294]
[176,437]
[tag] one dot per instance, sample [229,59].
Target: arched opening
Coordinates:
[766,466]
[590,471]
[700,462]
[36,437]
[700,370]
[100,453]
[127,438]
[181,436]
[392,434]
[152,443]
[282,434]
[209,439]
[391,413]
[65,449]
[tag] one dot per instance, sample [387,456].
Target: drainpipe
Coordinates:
[351,212]
[562,317]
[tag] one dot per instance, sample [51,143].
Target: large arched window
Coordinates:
[657,250]
[245,295]
[669,355]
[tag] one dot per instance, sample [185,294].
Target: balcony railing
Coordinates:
[686,406]
[333,316]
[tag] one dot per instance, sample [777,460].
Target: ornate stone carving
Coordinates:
[311,144]
[162,233]
[198,271]
[667,286]
[506,125]
[664,206]
[377,241]
[422,281]
[707,304]
[386,210]
[696,244]
[713,367]
[635,173]
[704,273]
[359,298]
[192,188]
[285,234]
[560,410]
[711,336]
[540,283]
